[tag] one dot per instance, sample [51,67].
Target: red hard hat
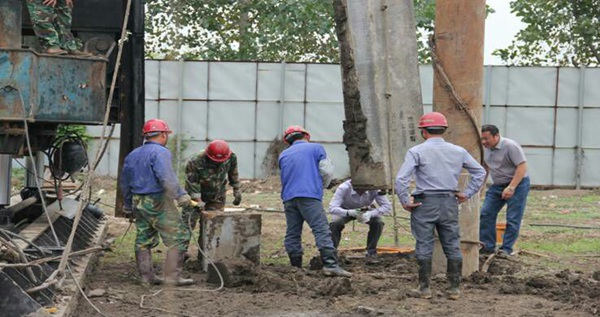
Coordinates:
[433,119]
[218,151]
[155,125]
[294,130]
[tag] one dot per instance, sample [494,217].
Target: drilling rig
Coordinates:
[38,93]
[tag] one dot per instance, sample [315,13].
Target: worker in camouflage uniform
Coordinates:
[150,187]
[207,175]
[51,20]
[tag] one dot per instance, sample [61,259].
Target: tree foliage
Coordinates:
[266,30]
[558,33]
[271,30]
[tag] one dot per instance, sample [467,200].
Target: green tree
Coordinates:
[558,33]
[271,30]
[266,30]
[424,18]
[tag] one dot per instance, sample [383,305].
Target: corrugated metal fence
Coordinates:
[553,112]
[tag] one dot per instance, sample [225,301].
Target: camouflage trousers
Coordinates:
[158,217]
[52,25]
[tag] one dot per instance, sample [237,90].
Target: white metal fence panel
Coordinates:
[532,86]
[552,112]
[591,90]
[568,87]
[591,169]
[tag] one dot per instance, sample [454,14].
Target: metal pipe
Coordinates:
[553,160]
[39,160]
[22,204]
[131,86]
[5,174]
[256,88]
[579,151]
[281,97]
[488,94]
[208,101]
[454,33]
[179,115]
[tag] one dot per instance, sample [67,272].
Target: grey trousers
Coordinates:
[375,230]
[299,210]
[437,212]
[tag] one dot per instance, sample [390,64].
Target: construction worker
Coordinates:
[305,170]
[51,21]
[436,165]
[207,175]
[350,204]
[506,163]
[150,187]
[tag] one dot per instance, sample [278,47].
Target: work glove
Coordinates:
[365,217]
[353,213]
[199,205]
[186,201]
[237,200]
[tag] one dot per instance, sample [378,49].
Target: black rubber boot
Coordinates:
[330,264]
[296,260]
[174,267]
[454,274]
[424,279]
[143,258]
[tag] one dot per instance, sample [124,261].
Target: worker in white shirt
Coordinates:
[354,204]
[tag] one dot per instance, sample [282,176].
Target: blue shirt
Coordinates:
[346,198]
[300,175]
[148,170]
[436,165]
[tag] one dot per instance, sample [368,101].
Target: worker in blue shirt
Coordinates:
[305,170]
[436,165]
[150,187]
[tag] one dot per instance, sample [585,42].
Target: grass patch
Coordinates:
[563,245]
[560,242]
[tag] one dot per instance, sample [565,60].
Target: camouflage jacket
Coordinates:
[206,179]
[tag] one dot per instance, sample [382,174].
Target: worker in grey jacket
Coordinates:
[436,166]
[350,204]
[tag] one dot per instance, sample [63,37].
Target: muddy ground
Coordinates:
[518,286]
[382,289]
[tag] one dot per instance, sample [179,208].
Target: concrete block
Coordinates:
[230,234]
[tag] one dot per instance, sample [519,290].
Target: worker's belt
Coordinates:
[435,194]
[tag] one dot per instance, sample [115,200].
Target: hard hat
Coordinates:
[155,125]
[433,119]
[218,151]
[293,131]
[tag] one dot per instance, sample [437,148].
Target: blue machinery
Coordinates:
[38,92]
